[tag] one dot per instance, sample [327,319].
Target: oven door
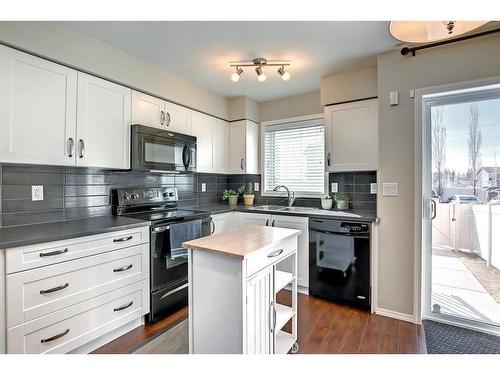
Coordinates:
[168,257]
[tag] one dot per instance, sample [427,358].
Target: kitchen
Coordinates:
[119,230]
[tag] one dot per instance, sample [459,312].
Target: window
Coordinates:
[293,156]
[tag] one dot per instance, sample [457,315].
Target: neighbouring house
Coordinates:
[489,177]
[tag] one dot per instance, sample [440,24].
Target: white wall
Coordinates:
[292,106]
[473,59]
[61,42]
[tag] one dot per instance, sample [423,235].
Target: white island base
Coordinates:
[233,281]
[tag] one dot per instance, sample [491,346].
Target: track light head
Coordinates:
[235,77]
[260,74]
[285,76]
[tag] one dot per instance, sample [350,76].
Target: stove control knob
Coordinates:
[127,196]
[135,196]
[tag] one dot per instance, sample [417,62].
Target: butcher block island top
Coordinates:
[243,241]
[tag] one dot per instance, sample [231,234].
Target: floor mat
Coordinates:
[175,340]
[447,339]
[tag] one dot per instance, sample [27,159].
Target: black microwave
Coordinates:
[162,150]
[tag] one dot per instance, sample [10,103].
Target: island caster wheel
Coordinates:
[294,349]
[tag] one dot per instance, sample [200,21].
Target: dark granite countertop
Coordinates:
[39,233]
[366,216]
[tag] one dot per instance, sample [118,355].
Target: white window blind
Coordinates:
[294,154]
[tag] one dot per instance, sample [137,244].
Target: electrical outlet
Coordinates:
[373,188]
[37,192]
[335,187]
[203,187]
[390,189]
[256,186]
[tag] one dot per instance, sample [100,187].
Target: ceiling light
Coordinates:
[285,76]
[431,31]
[235,77]
[260,74]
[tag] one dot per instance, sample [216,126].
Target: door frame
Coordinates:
[423,225]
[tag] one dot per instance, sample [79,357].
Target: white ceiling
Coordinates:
[201,51]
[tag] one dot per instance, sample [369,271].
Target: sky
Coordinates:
[456,119]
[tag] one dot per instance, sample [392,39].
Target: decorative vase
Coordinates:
[326,204]
[248,199]
[343,205]
[233,200]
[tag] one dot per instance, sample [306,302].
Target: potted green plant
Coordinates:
[231,196]
[248,195]
[326,202]
[342,200]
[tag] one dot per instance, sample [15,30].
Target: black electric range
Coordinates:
[170,227]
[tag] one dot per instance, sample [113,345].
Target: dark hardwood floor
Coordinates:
[323,327]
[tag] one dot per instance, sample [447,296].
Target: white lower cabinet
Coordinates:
[88,287]
[223,222]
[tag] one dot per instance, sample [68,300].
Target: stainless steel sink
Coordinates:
[295,209]
[277,208]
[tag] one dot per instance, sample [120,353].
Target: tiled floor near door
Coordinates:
[324,327]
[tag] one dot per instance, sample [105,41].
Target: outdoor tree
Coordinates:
[438,145]
[475,140]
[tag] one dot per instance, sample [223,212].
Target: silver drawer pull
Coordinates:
[275,253]
[124,306]
[123,239]
[124,268]
[55,289]
[52,253]
[43,341]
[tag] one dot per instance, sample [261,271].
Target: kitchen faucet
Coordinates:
[291,194]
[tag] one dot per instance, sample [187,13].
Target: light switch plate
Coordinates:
[37,192]
[394,98]
[373,188]
[390,189]
[256,186]
[203,187]
[335,187]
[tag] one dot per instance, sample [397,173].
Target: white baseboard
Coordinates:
[395,315]
[300,289]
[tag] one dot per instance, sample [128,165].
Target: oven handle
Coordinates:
[160,229]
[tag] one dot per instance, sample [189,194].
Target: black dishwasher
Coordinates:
[339,261]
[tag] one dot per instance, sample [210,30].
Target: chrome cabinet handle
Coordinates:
[71,146]
[81,144]
[124,268]
[55,289]
[329,159]
[52,253]
[124,306]
[272,224]
[267,222]
[275,253]
[162,117]
[123,239]
[58,336]
[271,316]
[167,119]
[274,317]
[213,227]
[241,163]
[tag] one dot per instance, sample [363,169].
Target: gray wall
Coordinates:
[344,87]
[458,62]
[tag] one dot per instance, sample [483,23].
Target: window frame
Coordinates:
[263,126]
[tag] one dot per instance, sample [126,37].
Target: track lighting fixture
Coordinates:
[260,63]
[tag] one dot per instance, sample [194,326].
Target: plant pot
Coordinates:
[233,200]
[248,199]
[343,205]
[326,204]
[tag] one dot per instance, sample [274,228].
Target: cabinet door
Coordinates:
[178,119]
[260,295]
[147,110]
[245,219]
[37,110]
[351,132]
[202,129]
[221,139]
[103,123]
[301,223]
[252,132]
[237,147]
[223,222]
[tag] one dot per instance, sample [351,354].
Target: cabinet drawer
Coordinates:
[264,257]
[79,324]
[34,293]
[39,255]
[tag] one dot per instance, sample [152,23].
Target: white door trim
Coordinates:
[419,229]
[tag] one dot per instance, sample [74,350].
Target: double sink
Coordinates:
[303,210]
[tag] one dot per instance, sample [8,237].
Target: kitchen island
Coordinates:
[233,281]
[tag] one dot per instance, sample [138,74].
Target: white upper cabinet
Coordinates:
[220,147]
[177,118]
[103,123]
[351,132]
[202,127]
[147,110]
[243,147]
[37,110]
